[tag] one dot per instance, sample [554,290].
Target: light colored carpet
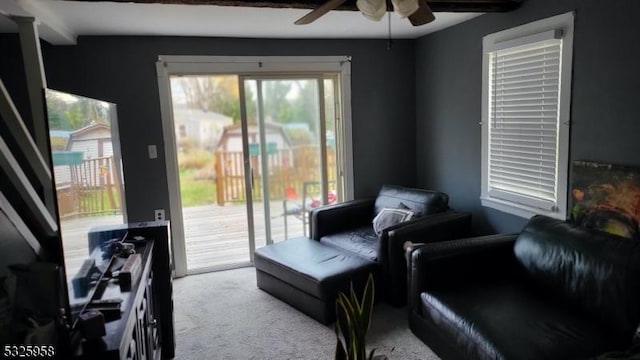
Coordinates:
[223,315]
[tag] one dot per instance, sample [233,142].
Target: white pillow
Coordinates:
[388,217]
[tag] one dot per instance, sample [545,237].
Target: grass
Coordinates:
[196,192]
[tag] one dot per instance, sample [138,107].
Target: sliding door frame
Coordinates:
[248,66]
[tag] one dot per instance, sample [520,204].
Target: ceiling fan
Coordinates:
[417,11]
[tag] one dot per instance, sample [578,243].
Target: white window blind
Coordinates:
[526,98]
[523,130]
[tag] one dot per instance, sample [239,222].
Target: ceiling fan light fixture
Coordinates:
[405,8]
[423,15]
[372,9]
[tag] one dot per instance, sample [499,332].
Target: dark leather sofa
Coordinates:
[554,291]
[348,227]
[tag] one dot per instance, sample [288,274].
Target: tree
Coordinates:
[56,108]
[305,106]
[217,93]
[284,101]
[57,121]
[69,112]
[277,107]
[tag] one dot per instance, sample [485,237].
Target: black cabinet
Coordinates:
[144,330]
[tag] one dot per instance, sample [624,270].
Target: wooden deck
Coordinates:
[75,241]
[216,236]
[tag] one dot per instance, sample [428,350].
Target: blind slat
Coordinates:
[506,127]
[531,122]
[543,111]
[548,161]
[504,132]
[526,54]
[548,191]
[551,93]
[514,98]
[522,184]
[531,173]
[524,160]
[510,67]
[525,187]
[520,88]
[526,104]
[524,83]
[534,193]
[530,146]
[522,180]
[538,69]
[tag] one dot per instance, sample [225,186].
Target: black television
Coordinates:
[86,165]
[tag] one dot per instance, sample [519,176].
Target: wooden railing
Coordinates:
[94,188]
[288,170]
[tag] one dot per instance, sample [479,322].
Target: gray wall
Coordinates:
[122,70]
[605,109]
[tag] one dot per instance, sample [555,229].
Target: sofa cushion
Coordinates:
[508,321]
[390,217]
[593,271]
[361,241]
[421,202]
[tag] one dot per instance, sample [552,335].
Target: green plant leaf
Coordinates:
[349,306]
[354,340]
[372,354]
[340,352]
[368,299]
[354,300]
[353,317]
[343,321]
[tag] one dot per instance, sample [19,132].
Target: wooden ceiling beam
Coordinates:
[435,5]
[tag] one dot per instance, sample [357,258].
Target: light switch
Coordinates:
[153,151]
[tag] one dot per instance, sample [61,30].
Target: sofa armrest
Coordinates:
[331,219]
[454,262]
[437,227]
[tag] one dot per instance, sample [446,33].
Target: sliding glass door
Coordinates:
[206,121]
[291,151]
[276,151]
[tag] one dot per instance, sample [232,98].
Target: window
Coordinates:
[525,117]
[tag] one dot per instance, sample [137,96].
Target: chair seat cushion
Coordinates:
[360,241]
[508,321]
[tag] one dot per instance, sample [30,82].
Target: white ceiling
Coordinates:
[62,21]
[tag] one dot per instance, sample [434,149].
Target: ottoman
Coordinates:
[308,275]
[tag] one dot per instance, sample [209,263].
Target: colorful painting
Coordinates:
[606,197]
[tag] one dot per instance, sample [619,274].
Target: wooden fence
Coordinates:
[289,169]
[95,188]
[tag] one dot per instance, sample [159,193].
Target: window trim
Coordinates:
[511,37]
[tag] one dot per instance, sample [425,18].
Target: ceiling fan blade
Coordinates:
[316,13]
[423,15]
